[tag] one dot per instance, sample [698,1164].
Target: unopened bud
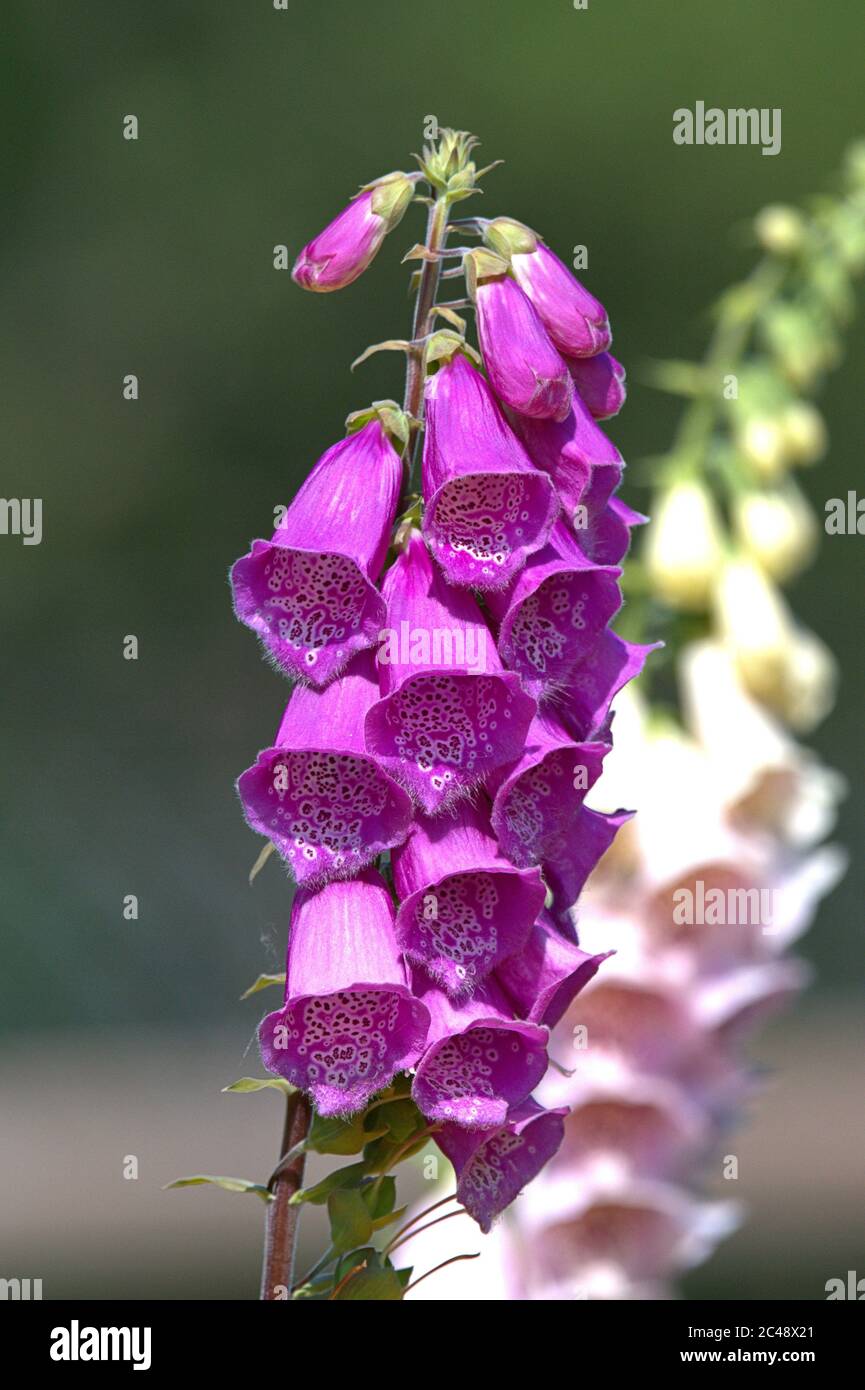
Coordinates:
[780,229]
[778,529]
[683,547]
[804,432]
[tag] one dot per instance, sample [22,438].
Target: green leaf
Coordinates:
[263,982]
[404,1275]
[352,1176]
[335,1136]
[382,1222]
[380,1197]
[380,1285]
[350,1221]
[228,1184]
[247,1084]
[402,1119]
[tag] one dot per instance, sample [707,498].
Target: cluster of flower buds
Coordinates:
[778,333]
[453,668]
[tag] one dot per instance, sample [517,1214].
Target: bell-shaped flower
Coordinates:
[464,907]
[349,1022]
[479,1060]
[309,592]
[449,712]
[487,507]
[323,801]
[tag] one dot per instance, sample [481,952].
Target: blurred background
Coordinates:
[155,257]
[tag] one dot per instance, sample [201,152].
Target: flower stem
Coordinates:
[282,1218]
[436,236]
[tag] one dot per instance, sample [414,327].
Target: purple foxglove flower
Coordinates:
[584,705]
[585,466]
[538,798]
[464,906]
[600,381]
[606,537]
[525,369]
[574,319]
[349,1022]
[543,979]
[592,834]
[349,244]
[317,794]
[450,713]
[487,507]
[494,1165]
[309,592]
[554,613]
[479,1059]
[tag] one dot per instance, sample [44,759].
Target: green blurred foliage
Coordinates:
[155,257]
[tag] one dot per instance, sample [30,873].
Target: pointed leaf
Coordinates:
[247,1084]
[263,982]
[228,1184]
[350,1221]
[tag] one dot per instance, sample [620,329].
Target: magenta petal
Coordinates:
[585,703]
[450,714]
[538,799]
[606,538]
[349,1022]
[464,907]
[317,794]
[600,381]
[554,613]
[309,592]
[591,837]
[487,507]
[479,1060]
[493,1166]
[585,465]
[574,319]
[525,369]
[544,977]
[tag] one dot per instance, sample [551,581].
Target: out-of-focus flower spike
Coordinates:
[350,243]
[487,507]
[464,907]
[317,794]
[349,1022]
[309,591]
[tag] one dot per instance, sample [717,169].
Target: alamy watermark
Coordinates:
[22,516]
[457,648]
[724,907]
[735,126]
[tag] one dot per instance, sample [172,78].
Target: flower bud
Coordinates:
[683,547]
[804,432]
[753,619]
[762,440]
[600,380]
[574,319]
[780,229]
[808,693]
[525,369]
[349,244]
[778,529]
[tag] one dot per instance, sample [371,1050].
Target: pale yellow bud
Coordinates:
[754,621]
[780,229]
[683,547]
[764,443]
[804,432]
[777,529]
[811,678]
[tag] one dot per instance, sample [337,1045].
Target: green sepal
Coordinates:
[508,237]
[336,1136]
[263,982]
[396,423]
